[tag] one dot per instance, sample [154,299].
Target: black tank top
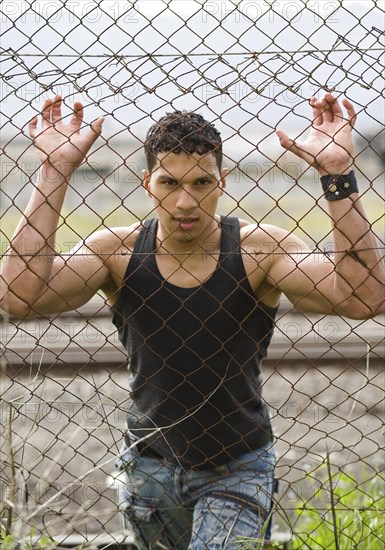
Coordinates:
[194,356]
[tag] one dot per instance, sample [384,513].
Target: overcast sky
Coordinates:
[99,52]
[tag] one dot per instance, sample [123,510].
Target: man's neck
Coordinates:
[206,244]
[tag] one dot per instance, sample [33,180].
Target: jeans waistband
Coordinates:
[146,450]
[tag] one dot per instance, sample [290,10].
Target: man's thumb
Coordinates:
[284,140]
[97,124]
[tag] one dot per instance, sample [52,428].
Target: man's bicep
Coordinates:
[75,279]
[307,279]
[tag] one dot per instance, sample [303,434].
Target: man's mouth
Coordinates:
[187,222]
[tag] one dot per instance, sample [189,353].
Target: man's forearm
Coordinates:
[358,258]
[28,262]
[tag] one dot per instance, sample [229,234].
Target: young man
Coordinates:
[194,296]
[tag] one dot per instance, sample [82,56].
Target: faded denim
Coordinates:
[171,508]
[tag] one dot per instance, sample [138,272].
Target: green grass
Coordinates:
[308,222]
[11,542]
[352,515]
[342,514]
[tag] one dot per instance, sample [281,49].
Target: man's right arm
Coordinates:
[34,280]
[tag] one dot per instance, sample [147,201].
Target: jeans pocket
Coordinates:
[141,517]
[140,509]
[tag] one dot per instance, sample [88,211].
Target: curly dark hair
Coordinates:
[182,131]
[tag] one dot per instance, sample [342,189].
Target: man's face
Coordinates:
[185,190]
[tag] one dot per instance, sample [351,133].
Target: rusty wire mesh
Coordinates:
[249,67]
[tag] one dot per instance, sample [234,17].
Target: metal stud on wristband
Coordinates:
[338,187]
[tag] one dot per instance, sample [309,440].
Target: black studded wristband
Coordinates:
[338,187]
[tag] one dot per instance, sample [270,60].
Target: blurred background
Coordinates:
[250,67]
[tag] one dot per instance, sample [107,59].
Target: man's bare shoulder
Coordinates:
[113,240]
[114,246]
[257,243]
[262,236]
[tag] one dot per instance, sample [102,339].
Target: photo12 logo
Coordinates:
[252,10]
[71,11]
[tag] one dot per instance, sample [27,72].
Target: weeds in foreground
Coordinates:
[354,517]
[255,544]
[341,515]
[10,542]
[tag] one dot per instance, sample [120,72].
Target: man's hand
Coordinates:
[61,145]
[329,145]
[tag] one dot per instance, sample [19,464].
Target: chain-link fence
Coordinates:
[249,67]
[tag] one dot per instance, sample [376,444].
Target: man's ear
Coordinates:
[146,182]
[222,181]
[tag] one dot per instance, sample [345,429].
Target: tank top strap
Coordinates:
[231,235]
[145,243]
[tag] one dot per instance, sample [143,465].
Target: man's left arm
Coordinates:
[352,283]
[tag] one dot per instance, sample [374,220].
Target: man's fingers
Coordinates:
[32,127]
[293,147]
[325,106]
[328,109]
[287,143]
[77,115]
[97,125]
[336,111]
[351,112]
[95,131]
[51,116]
[317,112]
[46,113]
[334,105]
[56,109]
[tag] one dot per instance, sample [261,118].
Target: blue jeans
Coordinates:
[169,507]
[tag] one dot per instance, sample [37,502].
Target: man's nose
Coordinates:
[185,199]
